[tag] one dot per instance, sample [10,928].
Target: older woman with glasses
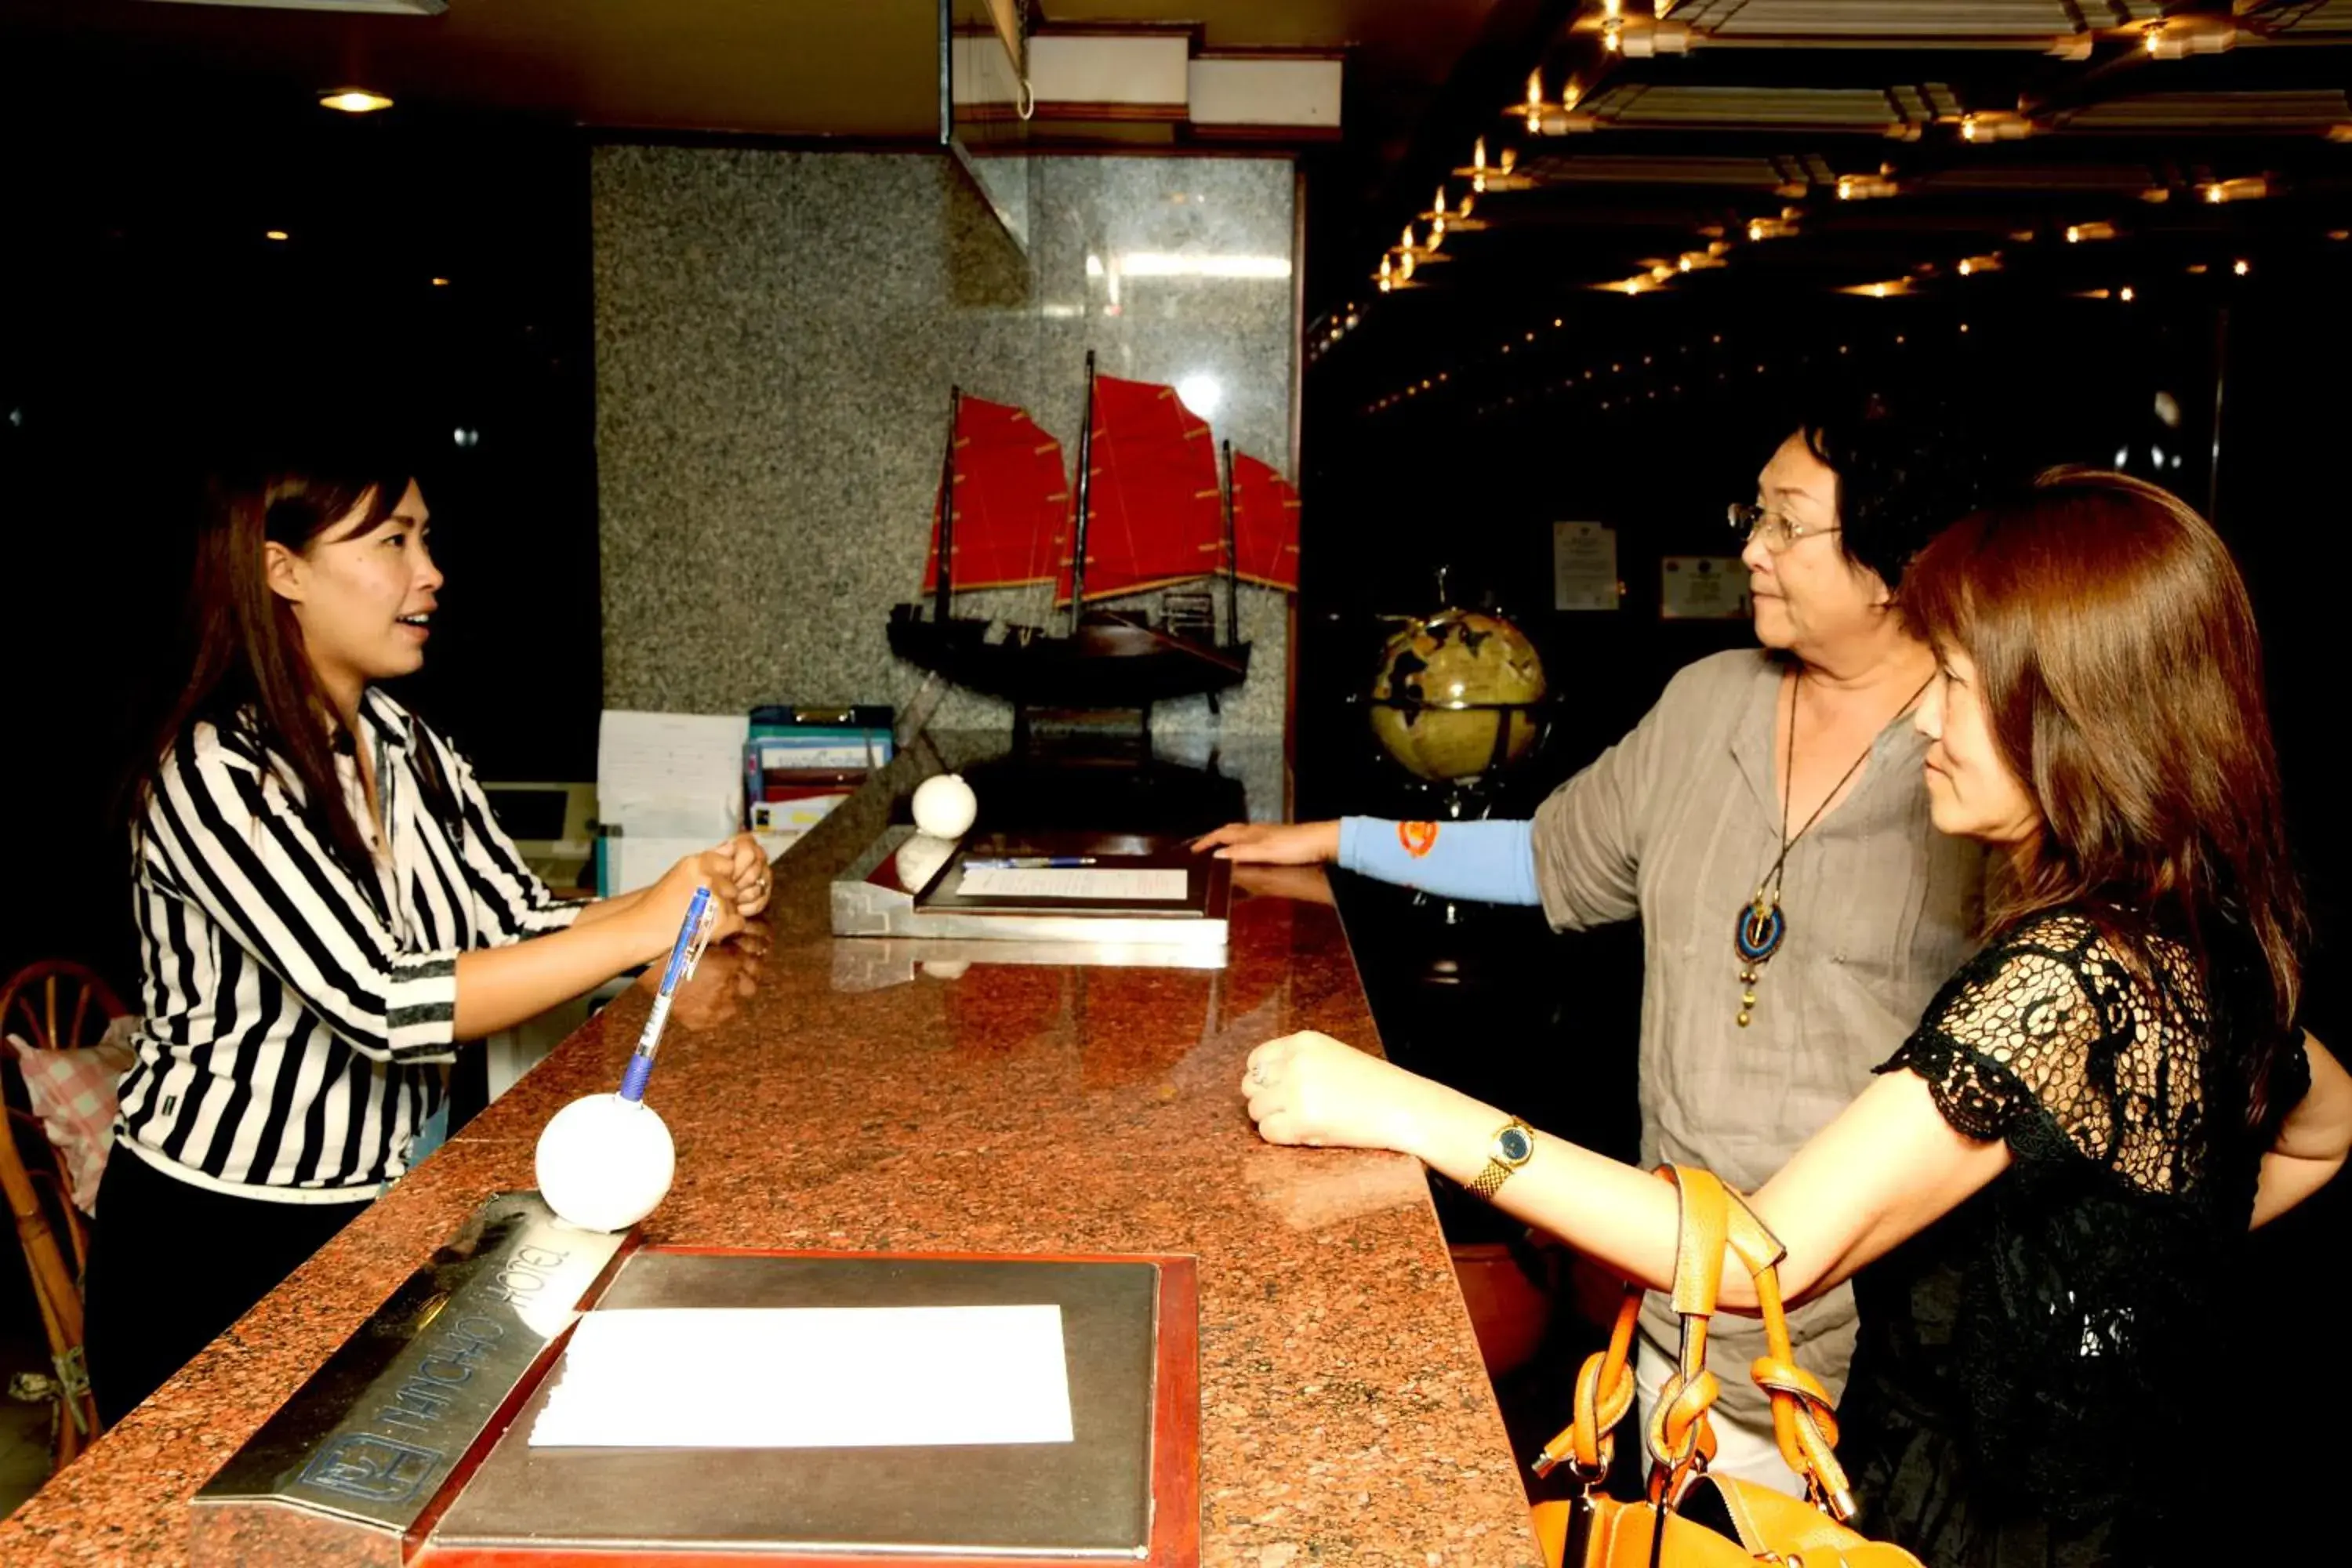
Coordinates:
[1766,824]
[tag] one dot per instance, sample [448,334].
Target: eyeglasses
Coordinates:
[1777,531]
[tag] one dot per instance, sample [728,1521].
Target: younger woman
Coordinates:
[326,908]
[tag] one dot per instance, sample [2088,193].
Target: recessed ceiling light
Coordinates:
[353,100]
[278,234]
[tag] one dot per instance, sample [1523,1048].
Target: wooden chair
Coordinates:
[54,1005]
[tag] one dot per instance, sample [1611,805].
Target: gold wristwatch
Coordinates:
[1513,1146]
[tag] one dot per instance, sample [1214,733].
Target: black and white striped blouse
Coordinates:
[298,1022]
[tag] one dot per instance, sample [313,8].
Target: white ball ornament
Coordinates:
[945,807]
[919,859]
[605,1162]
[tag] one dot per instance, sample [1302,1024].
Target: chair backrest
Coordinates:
[52,1005]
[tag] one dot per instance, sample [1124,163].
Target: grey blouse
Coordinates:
[1675,825]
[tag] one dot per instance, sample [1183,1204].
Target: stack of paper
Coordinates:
[671,785]
[810,1377]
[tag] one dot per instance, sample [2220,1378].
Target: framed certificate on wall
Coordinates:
[1583,566]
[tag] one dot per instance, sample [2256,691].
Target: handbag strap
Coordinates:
[1680,1436]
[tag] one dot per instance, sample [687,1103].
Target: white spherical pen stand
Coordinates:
[944,806]
[605,1162]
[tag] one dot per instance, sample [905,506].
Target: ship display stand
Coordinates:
[1149,513]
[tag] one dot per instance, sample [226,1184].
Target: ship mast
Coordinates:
[1086,474]
[945,591]
[1232,558]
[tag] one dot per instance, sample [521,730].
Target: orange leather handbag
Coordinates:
[1691,1519]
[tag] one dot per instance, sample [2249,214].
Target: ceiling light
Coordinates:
[353,100]
[2176,37]
[276,234]
[2125,294]
[2247,188]
[2240,267]
[2097,229]
[1994,125]
[440,282]
[1551,119]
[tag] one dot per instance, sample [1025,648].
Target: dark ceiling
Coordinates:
[863,68]
[1875,145]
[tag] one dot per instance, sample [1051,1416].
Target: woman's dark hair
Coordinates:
[248,675]
[2121,680]
[1909,462]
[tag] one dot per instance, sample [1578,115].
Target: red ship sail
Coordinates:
[1154,507]
[1012,501]
[1266,525]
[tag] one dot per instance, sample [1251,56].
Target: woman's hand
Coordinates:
[658,915]
[743,864]
[1310,1088]
[1274,843]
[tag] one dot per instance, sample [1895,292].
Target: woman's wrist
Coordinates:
[1434,1124]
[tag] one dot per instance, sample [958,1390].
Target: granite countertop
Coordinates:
[823,1097]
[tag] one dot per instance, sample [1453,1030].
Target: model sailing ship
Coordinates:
[1150,512]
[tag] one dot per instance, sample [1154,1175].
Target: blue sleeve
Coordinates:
[1494,862]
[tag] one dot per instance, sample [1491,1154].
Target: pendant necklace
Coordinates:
[1762,926]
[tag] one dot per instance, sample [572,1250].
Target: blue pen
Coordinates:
[1029,863]
[683,956]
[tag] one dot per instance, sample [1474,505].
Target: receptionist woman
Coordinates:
[1767,825]
[326,908]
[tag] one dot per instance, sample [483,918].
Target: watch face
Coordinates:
[1514,1144]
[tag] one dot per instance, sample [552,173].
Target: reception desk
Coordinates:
[853,1095]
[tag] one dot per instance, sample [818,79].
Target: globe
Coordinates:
[1447,686]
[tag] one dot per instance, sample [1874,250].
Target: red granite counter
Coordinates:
[835,1095]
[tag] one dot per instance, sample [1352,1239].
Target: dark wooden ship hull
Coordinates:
[1109,662]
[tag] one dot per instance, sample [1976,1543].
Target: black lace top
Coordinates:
[2043,1375]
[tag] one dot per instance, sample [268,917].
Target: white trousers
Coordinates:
[1750,1453]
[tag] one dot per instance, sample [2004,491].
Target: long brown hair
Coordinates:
[2121,680]
[248,674]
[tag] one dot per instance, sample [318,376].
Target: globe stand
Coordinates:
[1474,797]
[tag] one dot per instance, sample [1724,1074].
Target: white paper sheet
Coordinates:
[1106,883]
[671,773]
[634,860]
[810,1377]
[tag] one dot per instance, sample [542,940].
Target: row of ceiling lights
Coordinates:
[2166,38]
[1889,289]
